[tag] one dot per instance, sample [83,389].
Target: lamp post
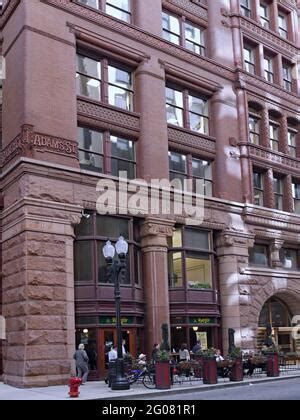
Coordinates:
[115,269]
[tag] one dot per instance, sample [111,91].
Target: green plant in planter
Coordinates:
[163,356]
[235,352]
[270,349]
[209,353]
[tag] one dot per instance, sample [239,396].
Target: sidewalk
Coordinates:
[100,391]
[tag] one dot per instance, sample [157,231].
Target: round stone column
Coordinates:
[154,235]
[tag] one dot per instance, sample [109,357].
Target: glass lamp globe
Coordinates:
[109,250]
[121,246]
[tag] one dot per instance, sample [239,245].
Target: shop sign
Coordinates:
[202,321]
[109,320]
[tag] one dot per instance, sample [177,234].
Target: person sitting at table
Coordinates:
[197,347]
[218,356]
[184,354]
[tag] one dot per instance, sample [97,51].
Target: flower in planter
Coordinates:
[207,353]
[235,352]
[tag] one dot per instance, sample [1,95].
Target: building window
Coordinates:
[278,192]
[289,258]
[268,69]
[259,255]
[282,25]
[190,259]
[274,137]
[184,167]
[287,76]
[296,196]
[258,184]
[91,235]
[181,32]
[249,59]
[245,8]
[105,153]
[114,87]
[254,129]
[187,110]
[120,9]
[292,135]
[264,15]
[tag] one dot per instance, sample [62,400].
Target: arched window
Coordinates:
[275,313]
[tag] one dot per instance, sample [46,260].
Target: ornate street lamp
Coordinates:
[115,270]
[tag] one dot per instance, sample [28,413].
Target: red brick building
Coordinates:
[163,89]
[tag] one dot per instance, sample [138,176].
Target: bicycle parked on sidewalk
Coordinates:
[144,375]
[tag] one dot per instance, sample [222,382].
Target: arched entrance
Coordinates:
[277,314]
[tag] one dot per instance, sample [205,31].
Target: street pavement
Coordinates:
[100,391]
[289,390]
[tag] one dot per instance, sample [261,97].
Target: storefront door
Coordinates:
[108,338]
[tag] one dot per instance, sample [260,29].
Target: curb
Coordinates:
[202,388]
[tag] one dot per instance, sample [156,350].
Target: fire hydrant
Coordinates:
[74,387]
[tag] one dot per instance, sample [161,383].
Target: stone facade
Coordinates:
[44,190]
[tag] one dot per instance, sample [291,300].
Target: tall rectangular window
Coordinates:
[289,258]
[90,149]
[189,167]
[249,59]
[245,8]
[278,192]
[292,135]
[117,155]
[194,38]
[296,196]
[282,25]
[113,86]
[120,9]
[254,129]
[171,28]
[120,90]
[258,184]
[274,137]
[264,15]
[190,259]
[187,110]
[174,105]
[88,77]
[268,69]
[259,255]
[122,156]
[202,169]
[287,76]
[179,31]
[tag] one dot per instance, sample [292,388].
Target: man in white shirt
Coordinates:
[112,354]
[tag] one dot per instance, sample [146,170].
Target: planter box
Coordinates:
[237,371]
[273,365]
[210,371]
[162,375]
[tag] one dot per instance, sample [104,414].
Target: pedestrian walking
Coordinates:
[82,363]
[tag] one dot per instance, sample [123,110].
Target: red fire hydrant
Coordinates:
[74,387]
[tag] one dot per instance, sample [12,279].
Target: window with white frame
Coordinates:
[249,59]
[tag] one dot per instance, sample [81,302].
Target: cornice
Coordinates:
[269,158]
[139,35]
[272,219]
[257,85]
[268,38]
[108,116]
[188,8]
[267,103]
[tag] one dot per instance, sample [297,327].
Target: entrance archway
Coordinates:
[277,314]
